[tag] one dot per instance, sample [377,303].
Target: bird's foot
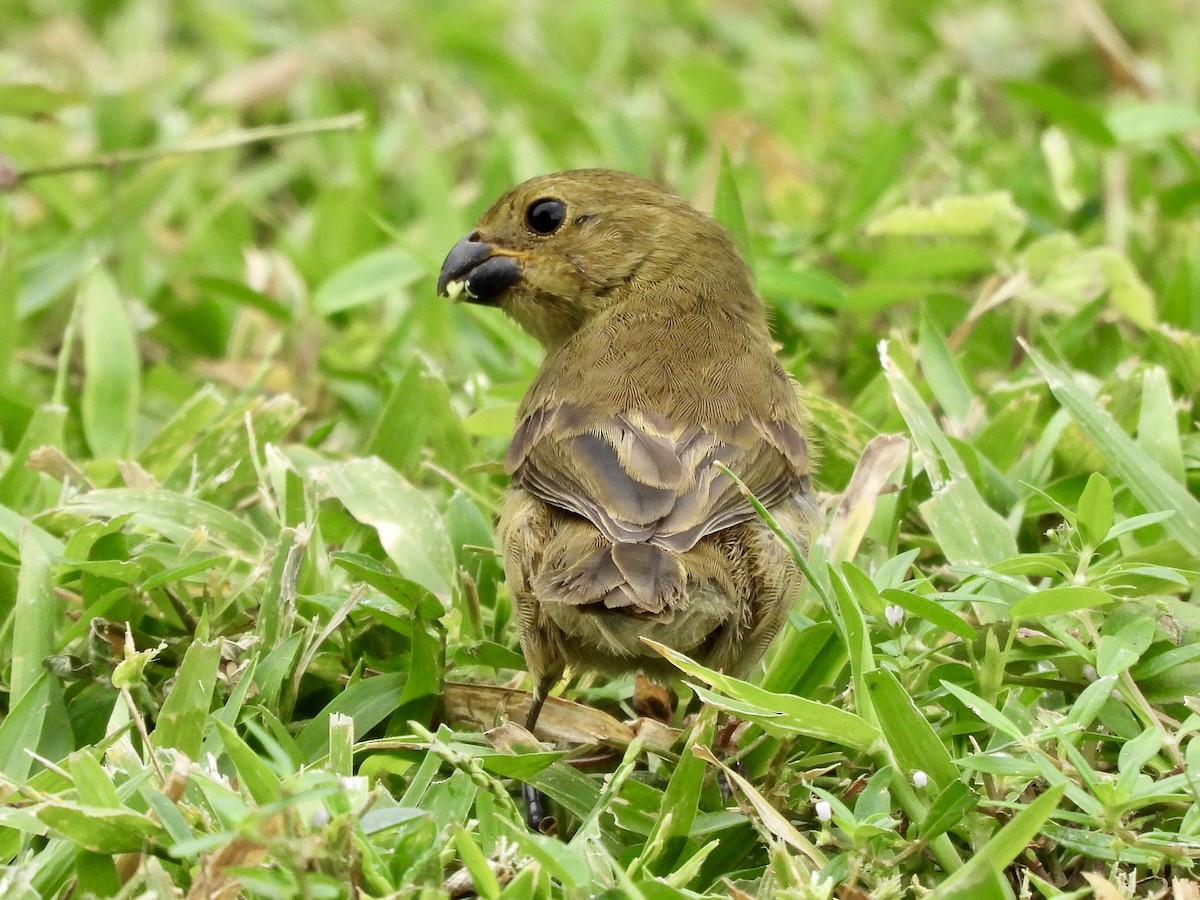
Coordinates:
[725,746]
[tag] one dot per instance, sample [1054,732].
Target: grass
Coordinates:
[253,629]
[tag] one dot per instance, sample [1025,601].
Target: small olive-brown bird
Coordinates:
[617,525]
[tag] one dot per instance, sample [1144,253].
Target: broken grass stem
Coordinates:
[229,140]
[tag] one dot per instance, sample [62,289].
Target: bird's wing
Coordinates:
[640,478]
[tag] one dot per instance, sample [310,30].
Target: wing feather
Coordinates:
[638,478]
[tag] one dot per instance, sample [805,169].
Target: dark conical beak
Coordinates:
[477,271]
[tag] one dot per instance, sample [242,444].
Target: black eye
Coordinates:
[545,216]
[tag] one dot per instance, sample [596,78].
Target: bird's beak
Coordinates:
[477,271]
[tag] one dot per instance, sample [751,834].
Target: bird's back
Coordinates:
[617,441]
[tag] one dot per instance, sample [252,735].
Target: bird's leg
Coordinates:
[724,745]
[535,801]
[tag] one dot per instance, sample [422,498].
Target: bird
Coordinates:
[618,524]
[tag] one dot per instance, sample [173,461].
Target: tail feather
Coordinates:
[655,577]
[640,578]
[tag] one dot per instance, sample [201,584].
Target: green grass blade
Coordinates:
[912,740]
[1153,487]
[35,615]
[112,376]
[410,529]
[679,803]
[174,516]
[782,711]
[979,877]
[184,713]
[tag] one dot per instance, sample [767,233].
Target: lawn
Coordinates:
[254,636]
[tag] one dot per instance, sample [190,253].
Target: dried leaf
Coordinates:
[1102,888]
[771,818]
[881,457]
[561,721]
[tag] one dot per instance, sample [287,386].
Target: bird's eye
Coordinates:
[545,216]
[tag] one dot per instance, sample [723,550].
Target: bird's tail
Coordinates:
[639,578]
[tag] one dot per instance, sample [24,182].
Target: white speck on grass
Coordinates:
[390,534]
[895,615]
[824,810]
[920,779]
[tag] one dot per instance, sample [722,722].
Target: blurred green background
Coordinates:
[829,112]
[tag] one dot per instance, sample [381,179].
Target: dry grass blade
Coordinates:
[882,456]
[770,817]
[561,721]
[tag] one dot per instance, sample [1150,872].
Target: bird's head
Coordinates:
[560,249]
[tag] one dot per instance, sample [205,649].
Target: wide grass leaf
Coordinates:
[1094,516]
[995,216]
[101,829]
[727,206]
[483,879]
[566,863]
[942,372]
[411,531]
[1158,431]
[1064,110]
[912,740]
[679,802]
[35,616]
[1152,120]
[367,278]
[39,723]
[924,608]
[947,810]
[1055,601]
[969,532]
[368,702]
[986,711]
[185,711]
[33,100]
[253,773]
[172,515]
[176,438]
[112,377]
[44,429]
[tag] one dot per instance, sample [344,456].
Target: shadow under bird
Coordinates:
[617,525]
